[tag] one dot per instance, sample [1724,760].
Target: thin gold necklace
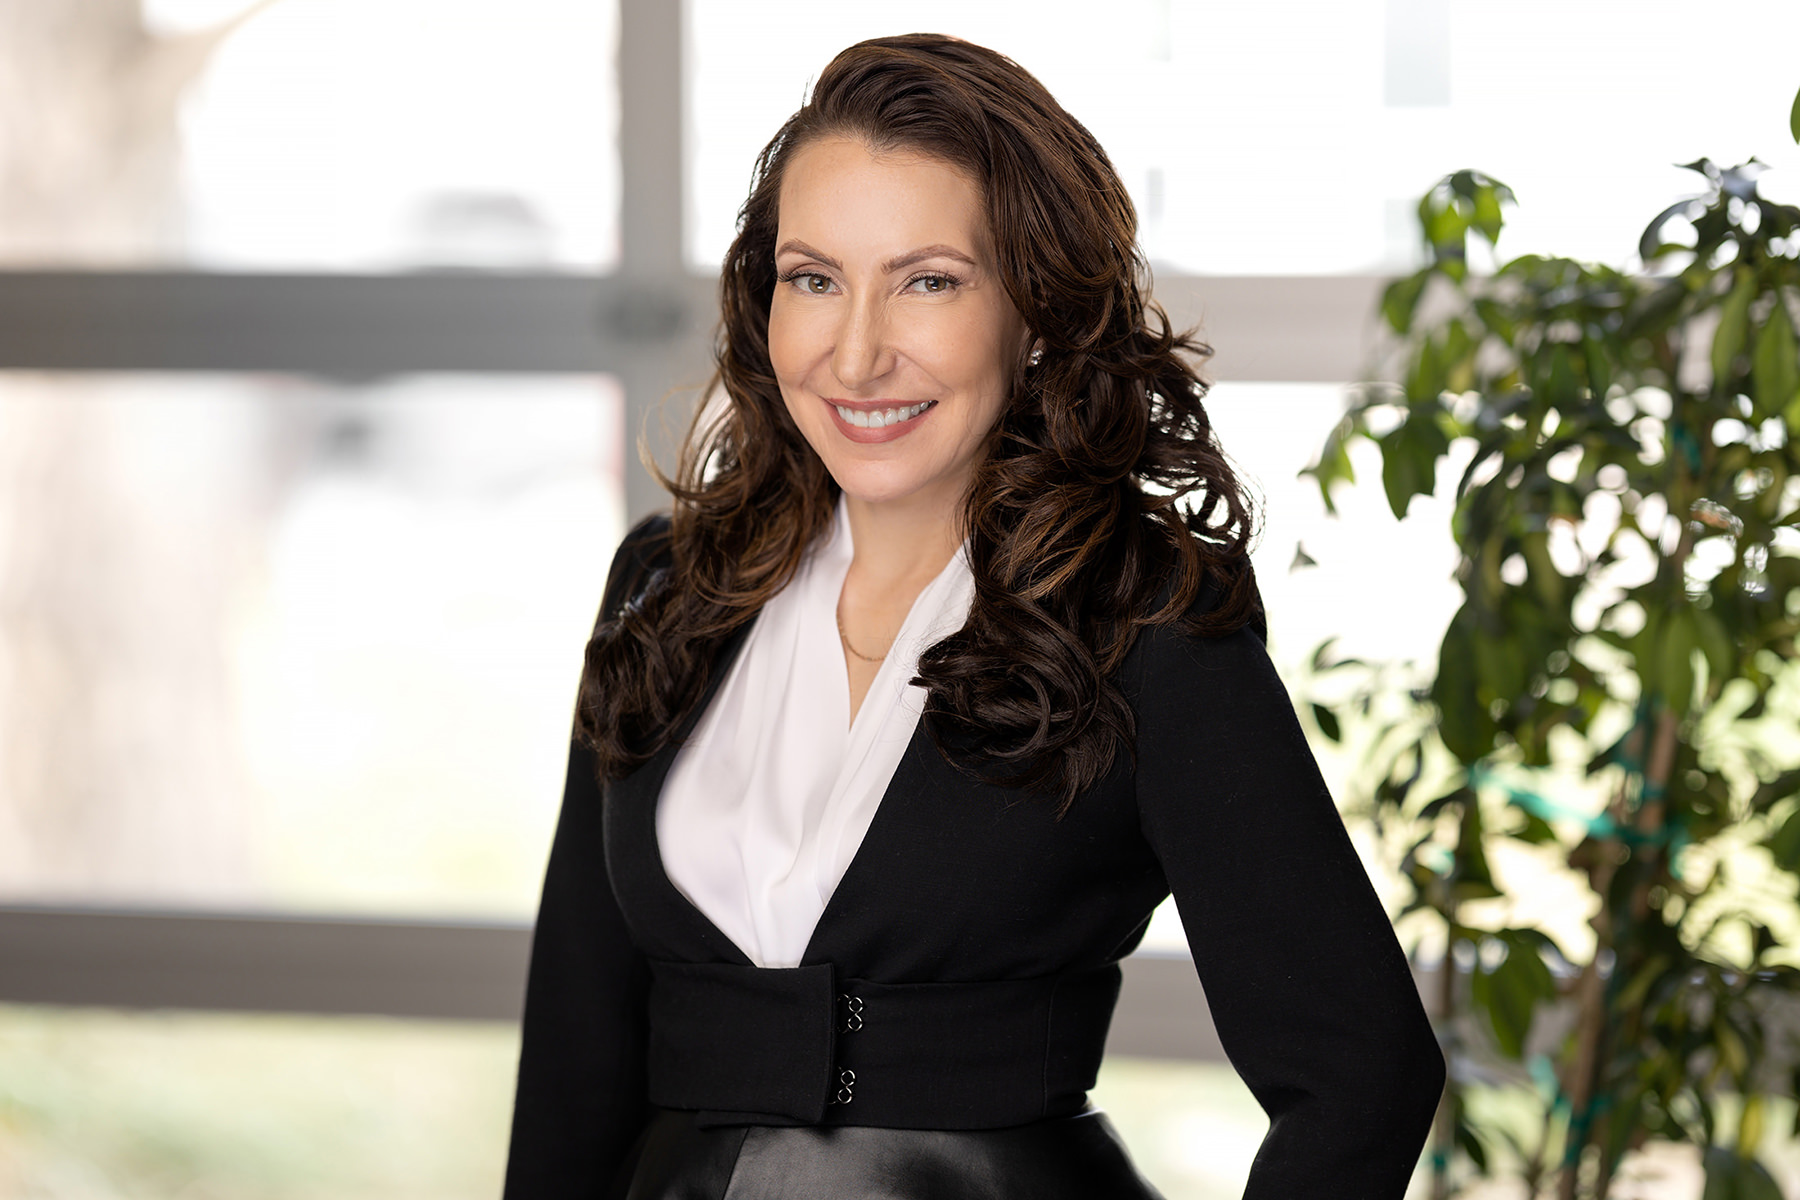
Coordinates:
[845,638]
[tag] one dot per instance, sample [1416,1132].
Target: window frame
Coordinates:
[649,323]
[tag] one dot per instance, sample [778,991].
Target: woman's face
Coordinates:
[889,332]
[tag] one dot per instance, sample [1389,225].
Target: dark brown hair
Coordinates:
[1102,504]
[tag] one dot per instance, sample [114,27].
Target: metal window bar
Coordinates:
[650,325]
[236,962]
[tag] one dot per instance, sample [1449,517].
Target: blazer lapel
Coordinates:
[871,857]
[666,922]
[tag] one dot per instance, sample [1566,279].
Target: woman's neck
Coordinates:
[900,547]
[902,543]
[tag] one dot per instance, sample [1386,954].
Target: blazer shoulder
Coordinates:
[1192,632]
[645,550]
[649,537]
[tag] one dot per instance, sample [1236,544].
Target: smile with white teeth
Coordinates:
[881,416]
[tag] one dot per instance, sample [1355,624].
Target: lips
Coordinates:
[867,423]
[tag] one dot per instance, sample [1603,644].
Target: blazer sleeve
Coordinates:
[1313,1000]
[581,1098]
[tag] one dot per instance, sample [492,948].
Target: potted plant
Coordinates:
[1619,686]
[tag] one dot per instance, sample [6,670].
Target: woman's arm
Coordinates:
[1313,1000]
[581,1091]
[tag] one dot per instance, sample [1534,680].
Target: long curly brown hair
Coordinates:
[1102,504]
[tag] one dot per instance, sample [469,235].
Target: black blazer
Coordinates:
[959,883]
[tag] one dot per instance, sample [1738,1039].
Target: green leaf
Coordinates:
[1646,653]
[1409,456]
[1401,299]
[1463,723]
[1534,831]
[1794,118]
[1322,657]
[1445,226]
[1599,366]
[1716,643]
[1457,360]
[1730,1176]
[1784,847]
[1510,993]
[1711,228]
[1334,462]
[1774,371]
[1657,309]
[1721,1175]
[1474,878]
[1650,245]
[1734,321]
[1665,655]
[1546,581]
[1562,388]
[1430,811]
[1648,976]
[1487,216]
[1776,790]
[1327,722]
[1755,1182]
[1733,1052]
[1470,1144]
[1676,671]
[1503,659]
[1425,376]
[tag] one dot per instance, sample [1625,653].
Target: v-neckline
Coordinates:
[654,774]
[841,655]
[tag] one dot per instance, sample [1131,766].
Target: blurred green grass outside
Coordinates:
[99,1104]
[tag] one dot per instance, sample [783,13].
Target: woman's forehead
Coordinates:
[847,199]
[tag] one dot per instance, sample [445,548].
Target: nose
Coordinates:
[863,353]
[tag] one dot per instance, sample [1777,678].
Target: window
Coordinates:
[277,642]
[218,481]
[331,135]
[1294,138]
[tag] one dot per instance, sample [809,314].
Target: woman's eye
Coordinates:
[933,285]
[810,282]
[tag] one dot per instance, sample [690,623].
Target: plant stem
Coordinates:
[1592,1026]
[1443,1134]
[1590,997]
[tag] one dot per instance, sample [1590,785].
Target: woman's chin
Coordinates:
[892,485]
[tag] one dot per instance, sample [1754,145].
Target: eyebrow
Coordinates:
[898,263]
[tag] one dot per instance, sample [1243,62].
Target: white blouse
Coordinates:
[769,799]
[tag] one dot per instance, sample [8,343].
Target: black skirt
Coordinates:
[1066,1158]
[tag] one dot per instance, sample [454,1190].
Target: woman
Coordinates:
[946,670]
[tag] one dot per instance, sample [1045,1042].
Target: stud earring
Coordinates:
[1037,356]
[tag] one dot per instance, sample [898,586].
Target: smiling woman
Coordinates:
[895,347]
[945,670]
[890,327]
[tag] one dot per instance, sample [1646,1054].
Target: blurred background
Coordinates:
[328,329]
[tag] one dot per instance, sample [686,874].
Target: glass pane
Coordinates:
[156,1105]
[159,1106]
[1382,588]
[283,643]
[1293,137]
[1191,1127]
[328,135]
